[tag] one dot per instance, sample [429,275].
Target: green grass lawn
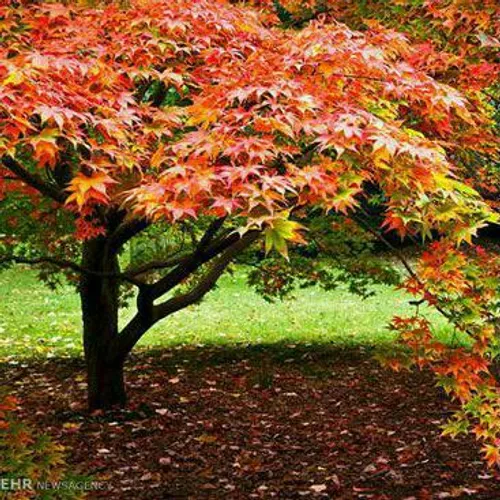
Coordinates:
[37,322]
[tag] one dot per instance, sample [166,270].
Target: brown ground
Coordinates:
[280,422]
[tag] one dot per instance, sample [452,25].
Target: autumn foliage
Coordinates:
[30,457]
[165,112]
[259,99]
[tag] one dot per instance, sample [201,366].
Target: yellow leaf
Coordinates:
[157,157]
[206,439]
[281,230]
[202,114]
[491,454]
[381,158]
[84,187]
[14,78]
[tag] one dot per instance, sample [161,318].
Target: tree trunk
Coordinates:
[99,298]
[106,387]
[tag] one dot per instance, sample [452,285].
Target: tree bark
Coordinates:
[105,347]
[99,298]
[106,385]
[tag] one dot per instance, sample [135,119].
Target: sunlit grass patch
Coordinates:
[37,322]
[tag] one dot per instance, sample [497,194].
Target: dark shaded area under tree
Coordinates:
[259,422]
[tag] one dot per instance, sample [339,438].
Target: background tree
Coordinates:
[117,123]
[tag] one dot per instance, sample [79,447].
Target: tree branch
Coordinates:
[400,256]
[67,264]
[124,233]
[388,244]
[207,282]
[192,262]
[149,314]
[156,265]
[33,180]
[179,259]
[211,232]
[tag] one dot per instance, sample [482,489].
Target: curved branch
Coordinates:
[208,281]
[33,180]
[176,260]
[211,232]
[67,264]
[191,264]
[124,233]
[156,265]
[400,256]
[141,322]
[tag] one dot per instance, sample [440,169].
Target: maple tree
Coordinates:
[208,119]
